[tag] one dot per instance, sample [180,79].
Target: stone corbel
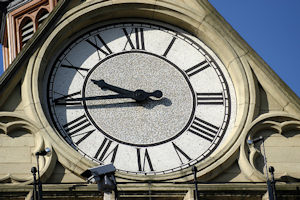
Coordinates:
[20,139]
[281,133]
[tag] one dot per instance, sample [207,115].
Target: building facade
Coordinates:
[166,91]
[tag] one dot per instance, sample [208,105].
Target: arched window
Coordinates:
[41,16]
[26,30]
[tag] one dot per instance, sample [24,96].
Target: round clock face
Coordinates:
[151,99]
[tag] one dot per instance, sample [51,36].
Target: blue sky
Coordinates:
[271,28]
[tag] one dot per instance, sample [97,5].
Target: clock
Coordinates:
[144,95]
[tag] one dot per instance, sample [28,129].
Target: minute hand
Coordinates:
[138,95]
[77,101]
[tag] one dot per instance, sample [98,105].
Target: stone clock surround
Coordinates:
[88,14]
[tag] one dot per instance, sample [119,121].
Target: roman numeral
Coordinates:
[87,134]
[77,125]
[169,47]
[80,70]
[180,152]
[210,98]
[102,153]
[197,68]
[76,68]
[142,162]
[106,49]
[204,129]
[139,38]
[62,100]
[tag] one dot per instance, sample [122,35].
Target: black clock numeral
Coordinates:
[62,100]
[106,49]
[197,68]
[169,47]
[87,134]
[210,98]
[80,70]
[76,68]
[204,129]
[180,152]
[103,153]
[77,125]
[141,166]
[139,38]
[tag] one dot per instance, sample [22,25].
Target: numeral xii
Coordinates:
[139,38]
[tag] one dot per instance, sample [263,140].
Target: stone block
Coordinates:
[15,155]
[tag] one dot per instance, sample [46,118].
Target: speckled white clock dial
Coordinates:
[147,123]
[158,135]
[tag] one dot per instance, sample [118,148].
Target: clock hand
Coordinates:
[141,95]
[138,95]
[103,85]
[76,101]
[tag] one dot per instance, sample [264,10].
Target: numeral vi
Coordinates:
[144,161]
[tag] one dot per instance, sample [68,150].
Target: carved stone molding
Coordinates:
[20,139]
[281,133]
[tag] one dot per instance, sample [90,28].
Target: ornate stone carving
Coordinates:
[281,134]
[20,139]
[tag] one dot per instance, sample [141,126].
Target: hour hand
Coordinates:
[103,85]
[138,95]
[141,95]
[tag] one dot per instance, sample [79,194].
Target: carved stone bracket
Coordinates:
[20,139]
[281,133]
